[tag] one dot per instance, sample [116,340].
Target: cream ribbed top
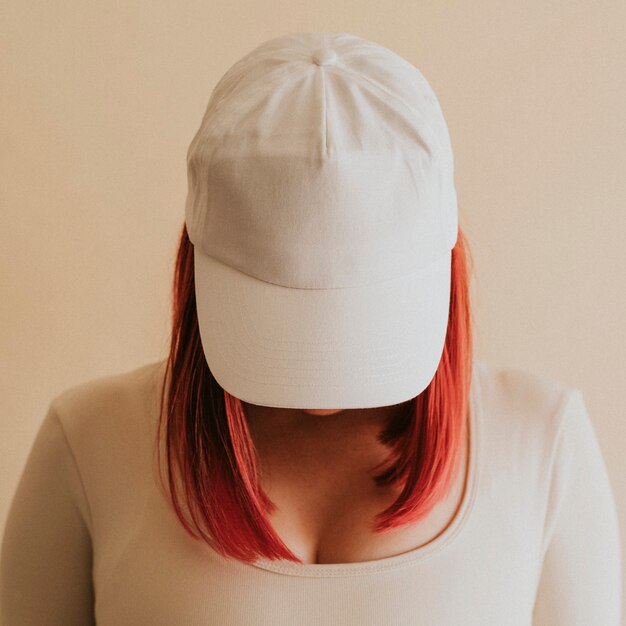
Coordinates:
[90,539]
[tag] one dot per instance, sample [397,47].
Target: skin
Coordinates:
[317,467]
[332,443]
[270,421]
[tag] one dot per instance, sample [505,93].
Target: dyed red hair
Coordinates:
[212,468]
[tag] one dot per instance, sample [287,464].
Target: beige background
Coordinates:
[99,102]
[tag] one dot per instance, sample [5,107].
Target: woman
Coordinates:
[320,446]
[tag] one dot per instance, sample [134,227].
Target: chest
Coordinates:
[326,517]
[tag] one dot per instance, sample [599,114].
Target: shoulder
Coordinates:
[109,423]
[517,390]
[106,394]
[110,402]
[516,398]
[523,415]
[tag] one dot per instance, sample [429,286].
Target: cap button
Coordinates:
[324,56]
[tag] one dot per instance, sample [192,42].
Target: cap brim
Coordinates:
[355,347]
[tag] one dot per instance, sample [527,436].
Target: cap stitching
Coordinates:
[437,145]
[325,114]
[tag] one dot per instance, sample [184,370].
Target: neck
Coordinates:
[345,435]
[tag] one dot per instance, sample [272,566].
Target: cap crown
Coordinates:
[323,160]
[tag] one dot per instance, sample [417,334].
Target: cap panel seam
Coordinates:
[437,144]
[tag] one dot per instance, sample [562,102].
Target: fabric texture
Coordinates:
[322,208]
[89,538]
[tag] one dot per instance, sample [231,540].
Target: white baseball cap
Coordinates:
[322,210]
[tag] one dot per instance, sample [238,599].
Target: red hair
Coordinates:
[212,468]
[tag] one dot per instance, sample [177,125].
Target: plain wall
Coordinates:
[99,102]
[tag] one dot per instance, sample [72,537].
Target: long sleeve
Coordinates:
[45,564]
[581,578]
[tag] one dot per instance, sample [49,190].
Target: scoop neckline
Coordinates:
[290,568]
